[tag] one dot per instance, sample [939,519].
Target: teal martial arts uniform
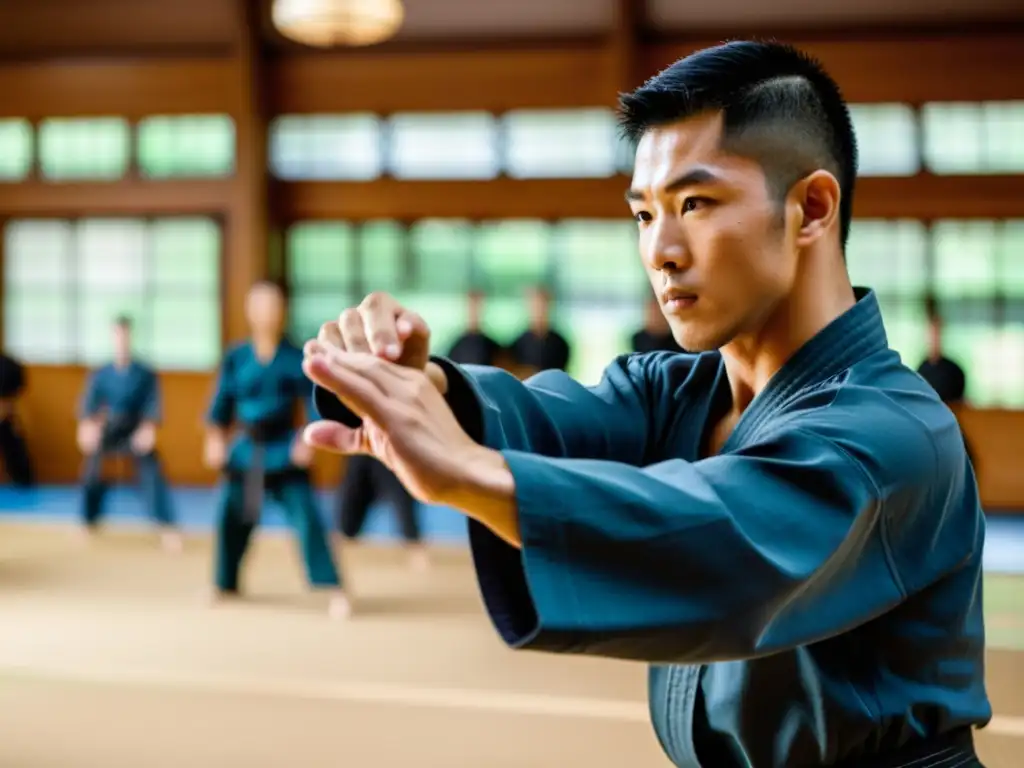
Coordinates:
[809,596]
[260,398]
[124,397]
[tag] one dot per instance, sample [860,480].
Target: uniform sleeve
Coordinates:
[736,556]
[222,408]
[92,398]
[552,414]
[151,407]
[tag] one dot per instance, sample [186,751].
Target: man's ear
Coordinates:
[817,198]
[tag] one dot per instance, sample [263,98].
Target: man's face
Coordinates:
[540,307]
[719,254]
[122,341]
[265,309]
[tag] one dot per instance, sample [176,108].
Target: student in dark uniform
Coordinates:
[119,417]
[13,450]
[784,524]
[260,386]
[367,481]
[474,347]
[540,347]
[656,335]
[944,375]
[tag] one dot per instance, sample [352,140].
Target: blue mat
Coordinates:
[1004,544]
[195,508]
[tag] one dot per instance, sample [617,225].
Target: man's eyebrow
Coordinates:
[692,177]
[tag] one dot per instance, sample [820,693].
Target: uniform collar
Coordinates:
[853,336]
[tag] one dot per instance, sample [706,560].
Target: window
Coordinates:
[326,147]
[320,267]
[38,290]
[187,145]
[599,259]
[1011,260]
[441,253]
[510,255]
[581,143]
[965,254]
[505,317]
[964,138]
[183,273]
[597,332]
[67,280]
[461,145]
[891,257]
[15,149]
[978,282]
[886,139]
[382,262]
[84,148]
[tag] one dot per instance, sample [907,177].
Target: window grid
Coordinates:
[895,140]
[79,312]
[592,268]
[185,146]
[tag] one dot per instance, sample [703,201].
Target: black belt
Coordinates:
[951,750]
[254,478]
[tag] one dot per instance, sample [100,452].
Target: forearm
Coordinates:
[488,495]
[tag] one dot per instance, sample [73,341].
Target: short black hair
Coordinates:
[123,321]
[266,282]
[779,108]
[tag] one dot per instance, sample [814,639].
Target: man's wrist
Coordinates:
[487,493]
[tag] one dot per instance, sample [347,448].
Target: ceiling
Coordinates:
[34,28]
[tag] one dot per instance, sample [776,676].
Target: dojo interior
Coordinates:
[156,158]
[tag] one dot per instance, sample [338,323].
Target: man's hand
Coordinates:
[383,327]
[143,440]
[406,424]
[215,450]
[88,436]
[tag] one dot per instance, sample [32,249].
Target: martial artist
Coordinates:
[13,448]
[942,373]
[784,524]
[475,346]
[656,335]
[540,347]
[119,417]
[259,388]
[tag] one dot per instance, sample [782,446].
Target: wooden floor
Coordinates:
[108,658]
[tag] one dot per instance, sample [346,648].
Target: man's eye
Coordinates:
[642,216]
[694,203]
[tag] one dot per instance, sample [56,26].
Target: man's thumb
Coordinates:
[334,437]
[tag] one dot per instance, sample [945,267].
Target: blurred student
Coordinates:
[120,414]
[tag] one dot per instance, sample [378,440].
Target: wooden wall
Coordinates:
[252,86]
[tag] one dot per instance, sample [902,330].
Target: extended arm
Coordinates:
[745,554]
[551,413]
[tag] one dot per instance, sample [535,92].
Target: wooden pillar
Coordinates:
[622,47]
[247,226]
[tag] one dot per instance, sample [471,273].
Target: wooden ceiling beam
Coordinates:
[925,196]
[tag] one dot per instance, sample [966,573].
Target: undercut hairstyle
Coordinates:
[779,108]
